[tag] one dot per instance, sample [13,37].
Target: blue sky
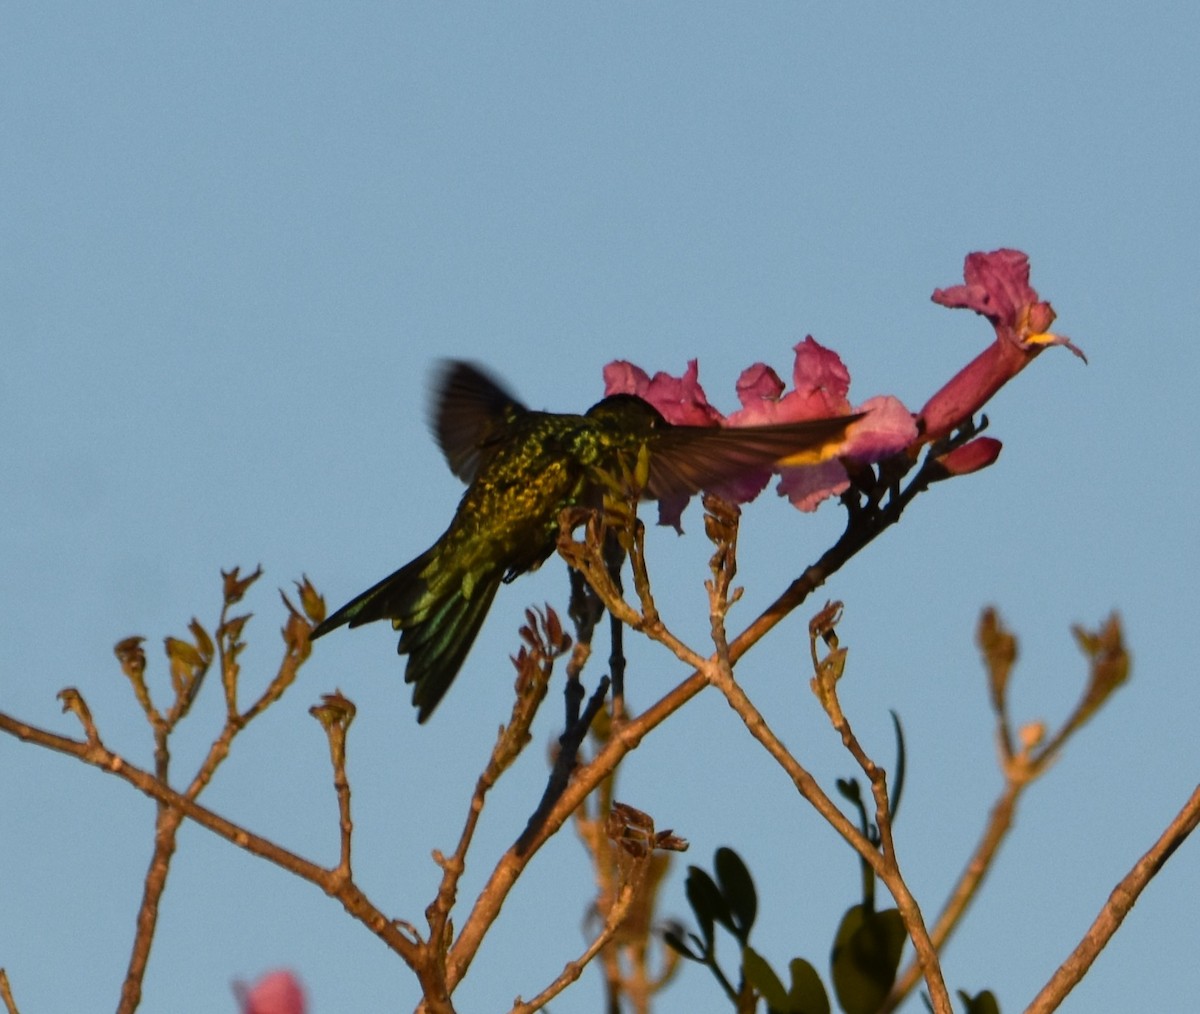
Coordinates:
[236,239]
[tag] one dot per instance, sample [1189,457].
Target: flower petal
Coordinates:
[807,487]
[887,429]
[972,456]
[681,400]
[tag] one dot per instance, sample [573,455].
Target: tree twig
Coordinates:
[574,969]
[10,1005]
[1120,901]
[345,891]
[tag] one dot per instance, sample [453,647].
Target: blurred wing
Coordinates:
[688,459]
[471,412]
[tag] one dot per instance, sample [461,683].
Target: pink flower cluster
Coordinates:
[996,286]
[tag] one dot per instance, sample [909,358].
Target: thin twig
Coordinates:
[565,764]
[10,1005]
[545,642]
[166,827]
[967,887]
[1119,903]
[722,678]
[722,528]
[585,779]
[574,969]
[189,664]
[345,891]
[914,922]
[1023,759]
[335,713]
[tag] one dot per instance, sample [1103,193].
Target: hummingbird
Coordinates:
[522,469]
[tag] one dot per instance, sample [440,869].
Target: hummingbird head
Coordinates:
[629,412]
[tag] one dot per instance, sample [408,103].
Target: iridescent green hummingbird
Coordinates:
[522,469]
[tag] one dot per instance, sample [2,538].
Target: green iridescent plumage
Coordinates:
[522,469]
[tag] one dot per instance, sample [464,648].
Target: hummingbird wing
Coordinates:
[687,459]
[471,413]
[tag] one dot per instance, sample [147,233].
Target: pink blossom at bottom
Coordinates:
[278,992]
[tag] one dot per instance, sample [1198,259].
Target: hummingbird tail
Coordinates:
[392,598]
[438,643]
[437,620]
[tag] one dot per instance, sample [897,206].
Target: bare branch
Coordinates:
[335,713]
[345,891]
[10,1005]
[1023,759]
[1119,903]
[574,969]
[545,641]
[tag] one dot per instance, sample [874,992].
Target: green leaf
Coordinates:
[898,777]
[673,939]
[866,954]
[766,983]
[737,887]
[707,903]
[850,790]
[807,993]
[983,1003]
